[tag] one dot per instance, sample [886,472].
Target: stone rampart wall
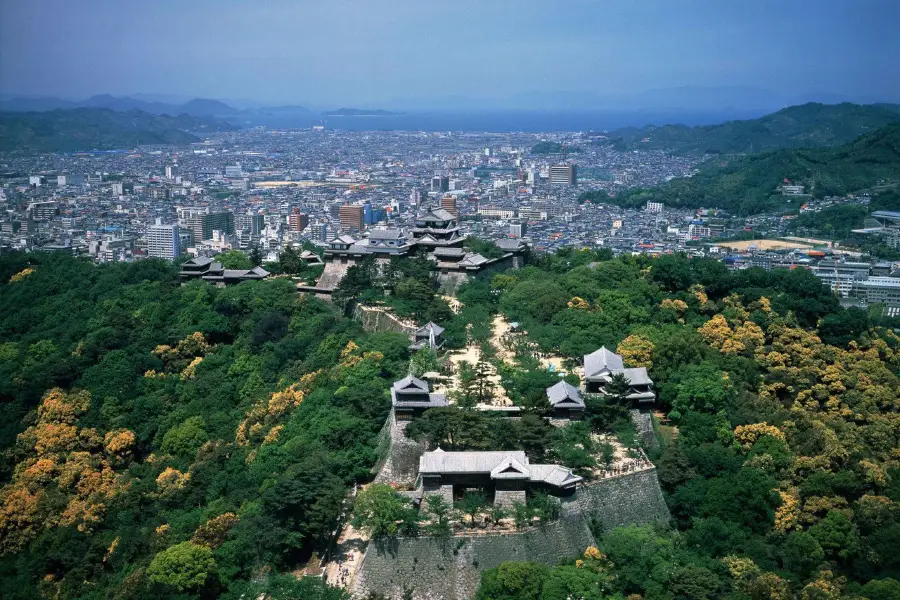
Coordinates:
[451,569]
[401,465]
[620,500]
[375,319]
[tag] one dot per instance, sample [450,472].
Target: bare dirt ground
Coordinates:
[502,328]
[472,354]
[455,305]
[351,545]
[765,245]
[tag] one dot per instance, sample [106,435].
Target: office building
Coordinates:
[563,175]
[841,277]
[117,188]
[880,290]
[440,183]
[70,179]
[351,216]
[171,171]
[297,221]
[202,224]
[234,171]
[697,231]
[518,230]
[496,212]
[163,241]
[448,203]
[250,222]
[43,211]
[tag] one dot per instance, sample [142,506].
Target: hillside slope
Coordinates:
[748,185]
[97,129]
[806,125]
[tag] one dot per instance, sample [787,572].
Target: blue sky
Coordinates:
[365,52]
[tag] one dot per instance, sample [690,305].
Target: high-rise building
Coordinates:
[351,216]
[517,230]
[234,171]
[70,179]
[440,183]
[448,203]
[563,175]
[163,241]
[204,223]
[171,171]
[297,221]
[415,197]
[250,222]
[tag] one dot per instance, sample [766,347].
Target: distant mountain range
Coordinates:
[807,125]
[747,184]
[98,129]
[740,101]
[198,107]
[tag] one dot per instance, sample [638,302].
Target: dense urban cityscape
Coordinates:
[263,190]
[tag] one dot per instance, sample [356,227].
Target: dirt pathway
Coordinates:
[351,545]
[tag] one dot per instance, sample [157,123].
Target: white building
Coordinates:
[654,207]
[163,241]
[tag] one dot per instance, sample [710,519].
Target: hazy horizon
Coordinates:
[403,54]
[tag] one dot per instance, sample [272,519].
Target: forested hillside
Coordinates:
[747,185]
[97,129]
[804,126]
[163,441]
[780,460]
[166,441]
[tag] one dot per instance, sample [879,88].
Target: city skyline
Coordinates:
[405,55]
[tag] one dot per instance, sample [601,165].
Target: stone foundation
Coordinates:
[450,569]
[401,466]
[507,498]
[643,424]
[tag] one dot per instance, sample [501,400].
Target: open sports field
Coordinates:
[764,245]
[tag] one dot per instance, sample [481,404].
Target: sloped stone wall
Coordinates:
[401,464]
[643,424]
[621,500]
[451,569]
[332,274]
[375,319]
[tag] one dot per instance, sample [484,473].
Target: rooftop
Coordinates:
[564,395]
[499,465]
[602,360]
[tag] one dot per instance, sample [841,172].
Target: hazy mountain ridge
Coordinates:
[197,107]
[806,125]
[98,129]
[748,185]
